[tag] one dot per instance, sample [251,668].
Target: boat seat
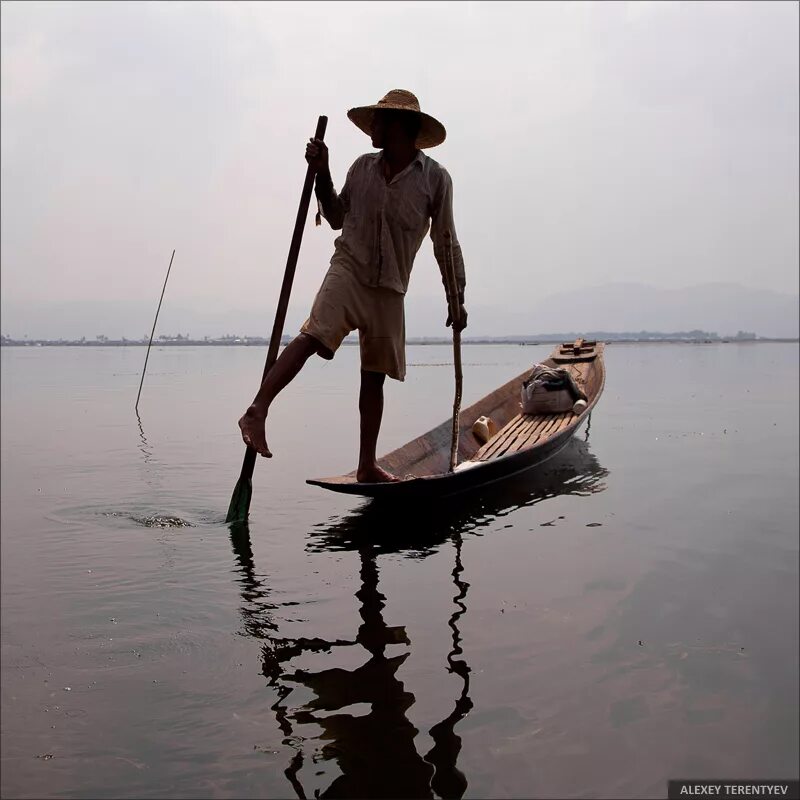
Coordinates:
[521,432]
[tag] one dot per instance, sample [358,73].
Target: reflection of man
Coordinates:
[387,205]
[375,752]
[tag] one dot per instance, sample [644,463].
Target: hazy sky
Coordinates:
[588,143]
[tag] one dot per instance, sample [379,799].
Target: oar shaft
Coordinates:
[249,461]
[455,318]
[457,400]
[291,261]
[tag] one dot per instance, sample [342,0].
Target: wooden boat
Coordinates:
[522,441]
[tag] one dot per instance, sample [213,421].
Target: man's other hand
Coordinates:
[462,319]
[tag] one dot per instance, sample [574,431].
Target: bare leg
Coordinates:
[283,371]
[370,404]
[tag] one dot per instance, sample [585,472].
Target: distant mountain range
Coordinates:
[720,308]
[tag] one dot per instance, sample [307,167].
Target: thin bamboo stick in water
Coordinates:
[152,333]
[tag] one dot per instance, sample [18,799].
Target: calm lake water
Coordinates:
[624,615]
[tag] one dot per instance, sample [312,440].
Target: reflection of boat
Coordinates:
[523,440]
[376,752]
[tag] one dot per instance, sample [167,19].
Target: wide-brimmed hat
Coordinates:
[431,132]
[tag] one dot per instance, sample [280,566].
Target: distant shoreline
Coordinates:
[259,342]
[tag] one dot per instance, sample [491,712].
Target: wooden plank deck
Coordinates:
[527,430]
[523,431]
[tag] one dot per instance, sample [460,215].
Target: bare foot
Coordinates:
[252,425]
[375,474]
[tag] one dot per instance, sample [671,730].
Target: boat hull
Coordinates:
[453,483]
[423,462]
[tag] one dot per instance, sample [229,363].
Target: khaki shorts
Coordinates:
[343,304]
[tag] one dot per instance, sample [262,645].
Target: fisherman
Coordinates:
[389,201]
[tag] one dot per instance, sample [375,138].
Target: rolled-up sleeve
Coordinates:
[333,206]
[441,221]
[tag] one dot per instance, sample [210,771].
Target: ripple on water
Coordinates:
[140,515]
[153,520]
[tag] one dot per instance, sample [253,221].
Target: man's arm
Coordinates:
[332,206]
[441,221]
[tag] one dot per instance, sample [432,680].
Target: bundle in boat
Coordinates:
[551,390]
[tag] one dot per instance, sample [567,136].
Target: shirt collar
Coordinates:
[419,158]
[417,163]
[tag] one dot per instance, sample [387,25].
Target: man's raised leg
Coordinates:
[289,363]
[370,404]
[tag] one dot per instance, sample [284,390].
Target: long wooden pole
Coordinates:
[455,318]
[242,494]
[152,333]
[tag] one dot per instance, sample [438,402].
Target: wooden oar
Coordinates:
[240,501]
[455,317]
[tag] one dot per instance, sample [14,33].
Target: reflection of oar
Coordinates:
[243,493]
[455,316]
[259,624]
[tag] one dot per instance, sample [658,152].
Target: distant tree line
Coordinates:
[235,339]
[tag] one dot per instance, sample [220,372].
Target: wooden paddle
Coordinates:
[455,317]
[240,501]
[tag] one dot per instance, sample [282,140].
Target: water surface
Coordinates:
[624,615]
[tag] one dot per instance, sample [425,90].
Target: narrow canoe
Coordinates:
[522,441]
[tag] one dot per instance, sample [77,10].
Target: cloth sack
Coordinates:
[549,390]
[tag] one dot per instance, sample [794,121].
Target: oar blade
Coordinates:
[239,508]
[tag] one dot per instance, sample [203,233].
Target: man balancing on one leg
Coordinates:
[387,204]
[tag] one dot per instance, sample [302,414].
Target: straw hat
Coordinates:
[431,132]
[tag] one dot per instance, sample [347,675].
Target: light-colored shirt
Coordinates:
[383,224]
